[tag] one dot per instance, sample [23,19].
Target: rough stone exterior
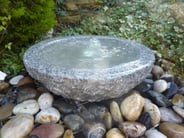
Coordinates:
[89,85]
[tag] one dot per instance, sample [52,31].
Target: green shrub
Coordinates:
[30,19]
[22,22]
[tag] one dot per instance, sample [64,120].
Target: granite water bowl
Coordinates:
[89,68]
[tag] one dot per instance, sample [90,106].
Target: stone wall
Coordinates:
[76,9]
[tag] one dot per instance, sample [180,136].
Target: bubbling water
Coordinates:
[89,54]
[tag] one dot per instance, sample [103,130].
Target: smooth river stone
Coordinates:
[68,134]
[158,98]
[48,115]
[157,71]
[154,133]
[2,76]
[97,110]
[18,127]
[178,100]
[45,100]
[49,130]
[26,94]
[28,107]
[6,111]
[153,110]
[114,133]
[179,111]
[73,121]
[171,91]
[25,80]
[172,130]
[160,86]
[145,119]
[93,130]
[64,107]
[107,120]
[115,112]
[168,115]
[3,86]
[132,129]
[15,80]
[131,107]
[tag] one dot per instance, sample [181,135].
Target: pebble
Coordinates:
[49,130]
[158,98]
[63,106]
[97,110]
[28,107]
[45,100]
[132,129]
[143,87]
[25,80]
[26,94]
[18,127]
[179,111]
[93,130]
[128,108]
[2,76]
[3,86]
[168,115]
[167,77]
[73,121]
[107,120]
[160,85]
[171,91]
[68,134]
[115,112]
[181,90]
[172,130]
[157,71]
[145,119]
[15,80]
[114,133]
[6,111]
[153,110]
[178,100]
[48,115]
[154,133]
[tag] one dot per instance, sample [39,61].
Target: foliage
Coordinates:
[11,62]
[29,20]
[22,23]
[147,21]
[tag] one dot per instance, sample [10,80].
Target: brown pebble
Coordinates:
[3,86]
[131,107]
[25,80]
[68,134]
[172,130]
[132,129]
[114,133]
[6,111]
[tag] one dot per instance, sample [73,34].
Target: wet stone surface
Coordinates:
[142,113]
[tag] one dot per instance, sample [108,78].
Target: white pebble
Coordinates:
[45,100]
[18,127]
[28,107]
[2,76]
[48,115]
[15,80]
[160,85]
[153,133]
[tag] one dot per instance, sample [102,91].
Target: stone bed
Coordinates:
[154,108]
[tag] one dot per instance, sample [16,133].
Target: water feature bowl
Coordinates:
[89,68]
